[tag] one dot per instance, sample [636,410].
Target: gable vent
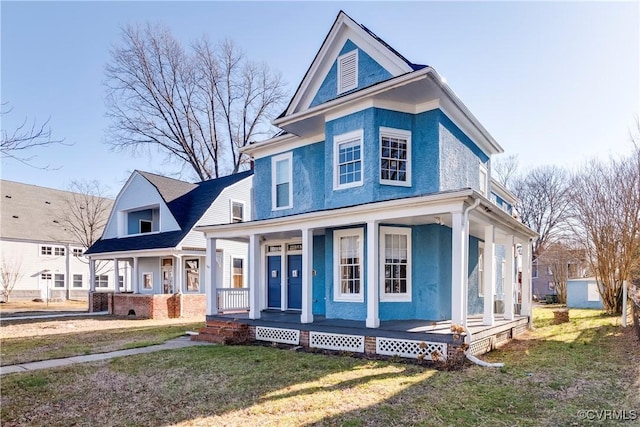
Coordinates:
[348,71]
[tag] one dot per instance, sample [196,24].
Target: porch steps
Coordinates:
[223,332]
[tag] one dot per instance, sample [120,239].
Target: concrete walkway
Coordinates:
[173,344]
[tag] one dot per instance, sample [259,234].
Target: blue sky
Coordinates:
[554,83]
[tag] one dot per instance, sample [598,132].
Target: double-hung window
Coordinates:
[101,281]
[348,160]
[484,180]
[395,157]
[347,258]
[395,263]
[237,272]
[281,179]
[237,211]
[58,281]
[77,280]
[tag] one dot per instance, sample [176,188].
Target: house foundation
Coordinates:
[164,306]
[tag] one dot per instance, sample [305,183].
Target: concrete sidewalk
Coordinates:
[173,344]
[17,316]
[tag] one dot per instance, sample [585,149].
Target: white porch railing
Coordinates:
[233,299]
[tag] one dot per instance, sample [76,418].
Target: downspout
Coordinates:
[469,336]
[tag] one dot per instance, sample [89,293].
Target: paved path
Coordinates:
[181,342]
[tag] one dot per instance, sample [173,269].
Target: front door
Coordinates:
[274,278]
[294,282]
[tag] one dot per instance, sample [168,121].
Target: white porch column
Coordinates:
[459,276]
[509,275]
[254,276]
[92,275]
[307,276]
[489,275]
[135,280]
[373,289]
[526,281]
[116,276]
[179,274]
[210,278]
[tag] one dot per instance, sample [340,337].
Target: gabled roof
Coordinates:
[187,202]
[29,212]
[344,27]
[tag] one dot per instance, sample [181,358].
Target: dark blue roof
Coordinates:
[187,203]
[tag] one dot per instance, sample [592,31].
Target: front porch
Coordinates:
[421,339]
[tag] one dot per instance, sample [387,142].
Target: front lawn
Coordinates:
[551,377]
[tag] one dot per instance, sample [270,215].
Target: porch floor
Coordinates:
[436,331]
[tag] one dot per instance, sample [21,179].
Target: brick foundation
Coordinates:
[370,345]
[148,306]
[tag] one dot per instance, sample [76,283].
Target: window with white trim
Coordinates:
[237,272]
[58,251]
[483,178]
[237,211]
[348,156]
[147,280]
[281,181]
[395,157]
[347,261]
[45,277]
[77,252]
[102,281]
[46,250]
[395,264]
[348,71]
[77,281]
[58,280]
[534,269]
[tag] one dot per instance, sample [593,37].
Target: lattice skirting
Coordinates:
[503,337]
[518,330]
[341,342]
[411,349]
[481,346]
[279,335]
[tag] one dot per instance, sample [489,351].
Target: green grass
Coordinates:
[30,349]
[589,363]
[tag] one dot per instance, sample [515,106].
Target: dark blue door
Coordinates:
[294,282]
[274,278]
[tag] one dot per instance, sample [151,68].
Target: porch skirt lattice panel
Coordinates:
[481,346]
[411,349]
[279,335]
[340,342]
[519,330]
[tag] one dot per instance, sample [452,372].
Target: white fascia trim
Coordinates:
[280,145]
[328,53]
[103,256]
[358,95]
[388,210]
[503,192]
[384,105]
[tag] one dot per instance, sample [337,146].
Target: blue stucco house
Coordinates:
[375,201]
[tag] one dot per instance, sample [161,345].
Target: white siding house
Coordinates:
[32,240]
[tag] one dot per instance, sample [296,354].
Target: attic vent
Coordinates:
[348,71]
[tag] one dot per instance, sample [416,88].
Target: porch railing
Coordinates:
[233,299]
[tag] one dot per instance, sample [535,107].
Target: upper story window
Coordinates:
[348,156]
[143,221]
[483,178]
[77,252]
[46,250]
[58,251]
[237,211]
[395,263]
[395,157]
[348,71]
[347,261]
[281,181]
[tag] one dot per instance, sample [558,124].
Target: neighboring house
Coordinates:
[375,202]
[583,293]
[34,242]
[150,241]
[563,264]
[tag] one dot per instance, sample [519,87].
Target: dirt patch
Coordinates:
[65,325]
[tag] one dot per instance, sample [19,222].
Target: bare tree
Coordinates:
[10,275]
[85,211]
[606,200]
[20,143]
[505,169]
[564,261]
[543,203]
[199,107]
